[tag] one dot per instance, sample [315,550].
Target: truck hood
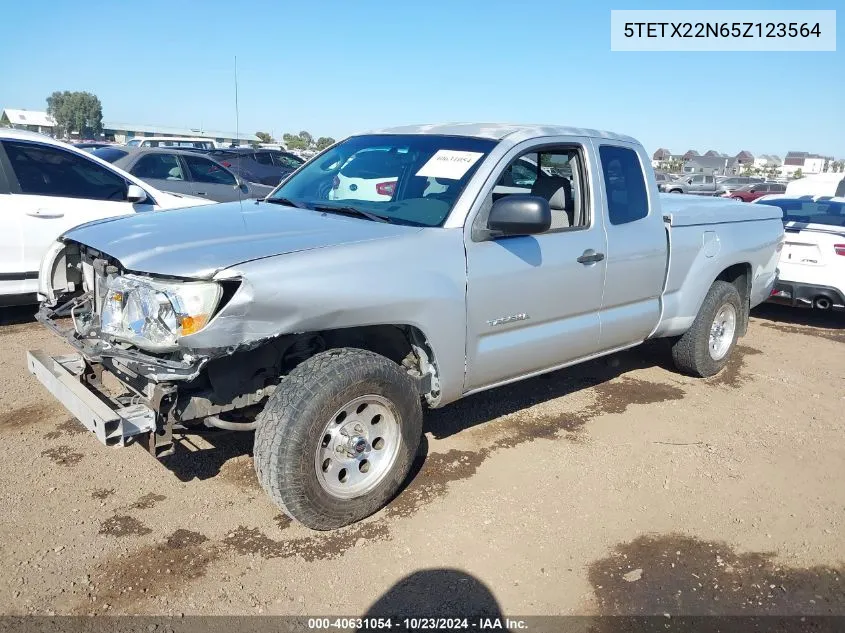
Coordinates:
[198,242]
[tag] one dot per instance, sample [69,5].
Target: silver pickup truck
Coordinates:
[396,270]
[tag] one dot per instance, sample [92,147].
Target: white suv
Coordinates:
[48,187]
[180,142]
[812,263]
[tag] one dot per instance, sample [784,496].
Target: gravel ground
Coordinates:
[615,487]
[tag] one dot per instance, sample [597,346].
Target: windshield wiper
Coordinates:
[285,201]
[352,211]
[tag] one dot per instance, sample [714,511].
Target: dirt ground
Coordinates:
[615,487]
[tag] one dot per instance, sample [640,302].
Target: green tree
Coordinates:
[295,141]
[264,137]
[323,142]
[76,112]
[307,138]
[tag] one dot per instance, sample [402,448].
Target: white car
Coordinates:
[812,263]
[180,142]
[48,187]
[367,175]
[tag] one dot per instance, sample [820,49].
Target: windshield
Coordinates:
[810,212]
[410,179]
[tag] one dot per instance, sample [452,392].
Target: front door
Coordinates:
[211,180]
[531,305]
[53,190]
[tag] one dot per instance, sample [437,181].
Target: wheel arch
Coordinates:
[740,276]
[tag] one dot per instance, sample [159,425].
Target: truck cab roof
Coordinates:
[512,132]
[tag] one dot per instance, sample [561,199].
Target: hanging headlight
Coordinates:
[154,314]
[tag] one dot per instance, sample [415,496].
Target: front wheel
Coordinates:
[706,347]
[337,438]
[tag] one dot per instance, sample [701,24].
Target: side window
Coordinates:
[708,180]
[49,171]
[627,199]
[158,166]
[554,174]
[204,170]
[286,160]
[263,158]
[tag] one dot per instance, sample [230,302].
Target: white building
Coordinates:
[31,120]
[806,162]
[121,132]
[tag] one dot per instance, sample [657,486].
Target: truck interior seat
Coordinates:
[558,191]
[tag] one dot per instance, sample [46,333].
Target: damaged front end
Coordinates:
[127,327]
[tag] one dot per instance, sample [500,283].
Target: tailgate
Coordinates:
[801,248]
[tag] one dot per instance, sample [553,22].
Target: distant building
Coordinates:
[31,120]
[712,166]
[745,158]
[121,132]
[691,153]
[767,162]
[806,162]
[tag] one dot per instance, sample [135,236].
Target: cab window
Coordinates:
[554,174]
[627,199]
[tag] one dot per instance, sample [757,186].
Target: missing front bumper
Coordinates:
[114,424]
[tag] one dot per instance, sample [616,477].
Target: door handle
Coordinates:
[590,257]
[201,193]
[45,213]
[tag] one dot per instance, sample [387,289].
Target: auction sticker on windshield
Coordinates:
[450,164]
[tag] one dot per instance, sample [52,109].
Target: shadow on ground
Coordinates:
[489,405]
[786,315]
[17,315]
[436,593]
[192,462]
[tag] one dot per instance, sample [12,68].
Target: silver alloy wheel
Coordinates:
[358,447]
[722,331]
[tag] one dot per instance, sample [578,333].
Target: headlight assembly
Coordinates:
[154,314]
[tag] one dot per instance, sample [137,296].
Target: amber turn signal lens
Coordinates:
[191,324]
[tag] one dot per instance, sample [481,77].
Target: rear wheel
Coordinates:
[706,347]
[337,438]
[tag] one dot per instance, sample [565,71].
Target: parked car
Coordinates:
[339,319]
[663,178]
[826,184]
[185,172]
[748,193]
[182,142]
[47,187]
[263,166]
[707,185]
[732,183]
[812,264]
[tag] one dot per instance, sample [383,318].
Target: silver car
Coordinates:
[182,171]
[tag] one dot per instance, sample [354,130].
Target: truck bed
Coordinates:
[679,210]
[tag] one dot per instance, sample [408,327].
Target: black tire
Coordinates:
[291,425]
[691,352]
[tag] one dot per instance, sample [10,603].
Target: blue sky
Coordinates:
[334,68]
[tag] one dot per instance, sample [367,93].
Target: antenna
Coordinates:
[237,132]
[237,114]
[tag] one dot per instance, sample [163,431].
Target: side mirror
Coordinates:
[240,184]
[135,194]
[520,215]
